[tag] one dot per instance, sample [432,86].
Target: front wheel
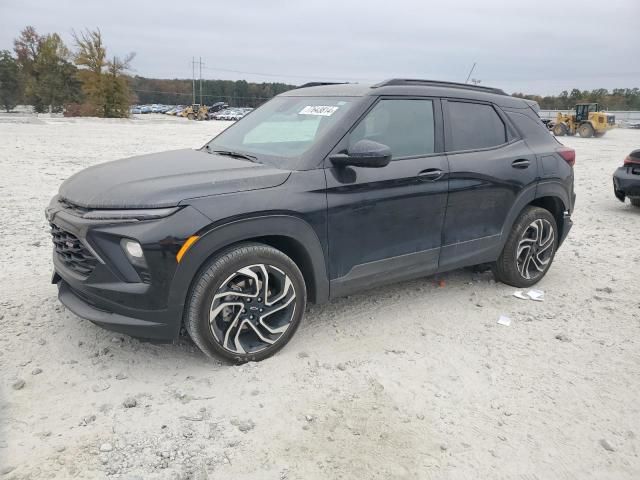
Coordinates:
[246,304]
[559,129]
[529,250]
[635,201]
[586,130]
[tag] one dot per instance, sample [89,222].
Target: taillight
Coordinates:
[633,158]
[568,154]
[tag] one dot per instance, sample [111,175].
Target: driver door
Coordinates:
[385,224]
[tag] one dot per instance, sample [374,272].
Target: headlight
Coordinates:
[145,214]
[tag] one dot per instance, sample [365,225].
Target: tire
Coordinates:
[635,201]
[535,228]
[230,326]
[586,130]
[191,116]
[559,130]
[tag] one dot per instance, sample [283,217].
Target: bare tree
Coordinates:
[103,81]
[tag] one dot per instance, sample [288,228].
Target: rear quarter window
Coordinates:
[531,129]
[474,126]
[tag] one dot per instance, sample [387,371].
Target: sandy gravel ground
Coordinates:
[416,380]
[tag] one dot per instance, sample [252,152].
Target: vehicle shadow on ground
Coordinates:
[354,311]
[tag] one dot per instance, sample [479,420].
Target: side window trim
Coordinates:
[438,121]
[511,134]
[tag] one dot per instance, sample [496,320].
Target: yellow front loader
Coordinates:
[587,121]
[196,112]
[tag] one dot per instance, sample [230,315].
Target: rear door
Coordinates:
[386,223]
[490,167]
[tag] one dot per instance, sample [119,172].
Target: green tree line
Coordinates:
[43,72]
[85,80]
[238,93]
[617,99]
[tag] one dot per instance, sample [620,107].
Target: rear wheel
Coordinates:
[559,130]
[246,304]
[191,116]
[635,201]
[529,250]
[586,130]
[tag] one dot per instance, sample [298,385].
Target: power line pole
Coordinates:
[200,62]
[193,79]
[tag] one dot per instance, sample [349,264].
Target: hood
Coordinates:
[165,179]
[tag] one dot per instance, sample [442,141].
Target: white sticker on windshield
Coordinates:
[323,110]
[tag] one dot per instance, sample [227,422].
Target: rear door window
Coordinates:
[474,126]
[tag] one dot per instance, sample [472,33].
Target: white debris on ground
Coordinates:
[407,381]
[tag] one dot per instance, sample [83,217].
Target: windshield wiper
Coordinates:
[230,153]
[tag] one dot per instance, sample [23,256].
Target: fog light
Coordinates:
[133,248]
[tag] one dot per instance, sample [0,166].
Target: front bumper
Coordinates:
[133,323]
[626,182]
[115,294]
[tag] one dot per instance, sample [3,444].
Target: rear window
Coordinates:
[474,126]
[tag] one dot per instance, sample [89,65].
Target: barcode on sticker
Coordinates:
[323,110]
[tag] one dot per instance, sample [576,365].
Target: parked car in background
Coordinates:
[215,108]
[626,179]
[135,110]
[145,109]
[321,192]
[175,110]
[231,114]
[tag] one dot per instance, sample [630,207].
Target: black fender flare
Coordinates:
[554,188]
[531,193]
[220,236]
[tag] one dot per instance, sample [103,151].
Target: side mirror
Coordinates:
[365,153]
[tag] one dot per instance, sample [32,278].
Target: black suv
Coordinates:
[323,191]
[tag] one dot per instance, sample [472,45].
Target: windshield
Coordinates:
[282,129]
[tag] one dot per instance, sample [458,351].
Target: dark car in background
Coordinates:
[626,179]
[215,108]
[321,192]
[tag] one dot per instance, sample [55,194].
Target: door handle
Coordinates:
[430,174]
[522,163]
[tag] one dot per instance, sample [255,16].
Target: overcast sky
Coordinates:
[530,46]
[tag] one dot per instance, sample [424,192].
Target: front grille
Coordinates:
[71,252]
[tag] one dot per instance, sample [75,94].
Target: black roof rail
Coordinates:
[320,84]
[437,83]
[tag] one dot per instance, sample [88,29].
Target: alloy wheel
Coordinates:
[252,309]
[535,249]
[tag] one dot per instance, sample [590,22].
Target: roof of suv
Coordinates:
[408,87]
